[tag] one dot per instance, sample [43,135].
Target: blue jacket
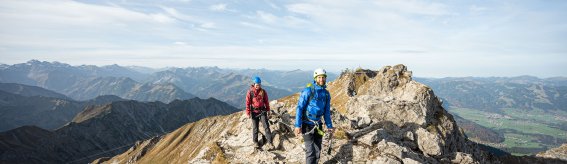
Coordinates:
[320,105]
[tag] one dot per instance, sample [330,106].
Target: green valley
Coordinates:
[525,131]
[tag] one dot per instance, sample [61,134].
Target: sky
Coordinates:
[449,38]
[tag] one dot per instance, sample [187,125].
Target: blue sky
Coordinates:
[433,38]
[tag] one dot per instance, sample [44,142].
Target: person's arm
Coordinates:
[327,115]
[266,101]
[301,104]
[248,103]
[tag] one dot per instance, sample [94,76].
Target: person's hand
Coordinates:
[331,130]
[297,132]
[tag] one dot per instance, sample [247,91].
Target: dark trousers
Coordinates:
[313,143]
[257,117]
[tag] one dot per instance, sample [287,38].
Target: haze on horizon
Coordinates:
[434,39]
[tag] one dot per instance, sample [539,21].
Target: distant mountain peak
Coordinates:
[46,63]
[34,61]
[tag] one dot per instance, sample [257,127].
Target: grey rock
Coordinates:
[385,160]
[463,158]
[428,143]
[557,153]
[409,136]
[410,161]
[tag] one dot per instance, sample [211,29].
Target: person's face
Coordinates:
[257,86]
[321,80]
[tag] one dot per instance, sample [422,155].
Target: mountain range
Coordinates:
[146,84]
[292,81]
[87,82]
[213,82]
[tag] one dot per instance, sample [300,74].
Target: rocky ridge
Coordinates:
[556,153]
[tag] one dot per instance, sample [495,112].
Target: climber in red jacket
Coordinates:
[258,109]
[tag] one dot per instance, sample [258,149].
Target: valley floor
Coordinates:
[525,132]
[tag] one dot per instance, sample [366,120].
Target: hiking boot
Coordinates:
[257,145]
[270,147]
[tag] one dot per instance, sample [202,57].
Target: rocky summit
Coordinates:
[381,116]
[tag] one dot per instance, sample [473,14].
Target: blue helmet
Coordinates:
[257,80]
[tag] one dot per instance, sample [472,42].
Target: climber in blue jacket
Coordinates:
[314,103]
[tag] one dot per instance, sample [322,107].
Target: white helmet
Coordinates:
[319,71]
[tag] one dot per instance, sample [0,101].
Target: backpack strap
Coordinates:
[312,89]
[251,99]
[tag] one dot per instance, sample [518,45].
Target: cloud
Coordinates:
[41,26]
[381,24]
[378,15]
[208,25]
[272,21]
[180,43]
[218,7]
[272,5]
[162,18]
[69,14]
[266,17]
[253,25]
[202,24]
[177,15]
[475,10]
[414,7]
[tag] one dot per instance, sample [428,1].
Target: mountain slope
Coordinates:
[104,130]
[126,88]
[44,112]
[26,137]
[26,90]
[390,118]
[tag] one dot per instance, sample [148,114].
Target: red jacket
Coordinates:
[260,100]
